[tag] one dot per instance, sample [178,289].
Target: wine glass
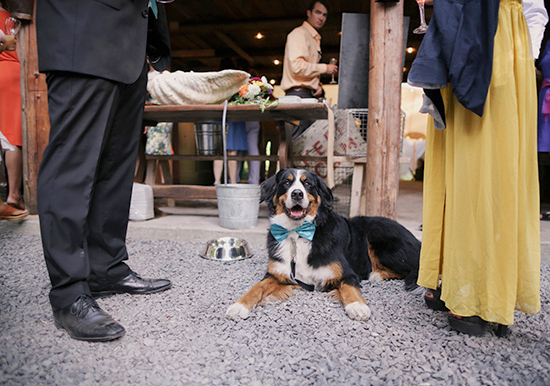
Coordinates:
[333,61]
[12,26]
[423,26]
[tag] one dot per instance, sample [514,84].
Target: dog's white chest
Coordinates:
[294,252]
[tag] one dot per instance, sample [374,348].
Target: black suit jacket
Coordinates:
[103,38]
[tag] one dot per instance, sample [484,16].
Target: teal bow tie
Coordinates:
[306,230]
[153,5]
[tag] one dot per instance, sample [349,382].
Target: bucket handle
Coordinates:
[224,137]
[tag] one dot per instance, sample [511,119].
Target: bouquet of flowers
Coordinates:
[256,91]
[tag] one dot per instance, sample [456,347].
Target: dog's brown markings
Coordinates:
[279,204]
[384,272]
[266,287]
[337,271]
[348,294]
[314,204]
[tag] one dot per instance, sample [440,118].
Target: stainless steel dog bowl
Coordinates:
[227,249]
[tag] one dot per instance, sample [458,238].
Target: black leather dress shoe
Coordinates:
[132,284]
[84,320]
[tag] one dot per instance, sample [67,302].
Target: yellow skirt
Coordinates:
[481,192]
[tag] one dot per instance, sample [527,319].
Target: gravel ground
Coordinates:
[181,337]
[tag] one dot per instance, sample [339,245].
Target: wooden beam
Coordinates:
[188,54]
[273,24]
[35,119]
[258,55]
[184,191]
[186,30]
[385,77]
[235,47]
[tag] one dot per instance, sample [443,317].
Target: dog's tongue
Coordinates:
[297,212]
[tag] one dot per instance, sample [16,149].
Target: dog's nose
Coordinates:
[297,194]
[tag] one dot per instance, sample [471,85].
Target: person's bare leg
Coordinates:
[218,168]
[232,167]
[14,166]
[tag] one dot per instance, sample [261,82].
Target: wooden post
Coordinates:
[384,118]
[34,109]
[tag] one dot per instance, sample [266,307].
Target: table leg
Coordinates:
[285,145]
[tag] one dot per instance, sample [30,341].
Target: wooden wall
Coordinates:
[35,118]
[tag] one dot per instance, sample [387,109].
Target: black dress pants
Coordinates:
[85,180]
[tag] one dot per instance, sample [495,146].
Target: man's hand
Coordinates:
[318,92]
[332,69]
[10,42]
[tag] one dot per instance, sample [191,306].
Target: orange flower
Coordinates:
[243,90]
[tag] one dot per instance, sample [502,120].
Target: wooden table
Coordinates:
[239,113]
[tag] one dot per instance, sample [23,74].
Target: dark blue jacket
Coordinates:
[458,49]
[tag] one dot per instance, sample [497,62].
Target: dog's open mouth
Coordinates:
[296,212]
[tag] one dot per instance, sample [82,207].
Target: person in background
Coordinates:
[7,212]
[236,140]
[7,42]
[543,142]
[301,68]
[252,134]
[96,74]
[480,254]
[10,111]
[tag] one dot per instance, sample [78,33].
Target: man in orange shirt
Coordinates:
[302,70]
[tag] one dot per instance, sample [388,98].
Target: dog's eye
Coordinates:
[307,184]
[286,184]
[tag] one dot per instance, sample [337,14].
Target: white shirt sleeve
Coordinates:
[536,17]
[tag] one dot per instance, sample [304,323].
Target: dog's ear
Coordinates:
[269,188]
[324,192]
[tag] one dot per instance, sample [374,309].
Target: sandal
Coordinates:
[471,325]
[433,300]
[9,213]
[17,204]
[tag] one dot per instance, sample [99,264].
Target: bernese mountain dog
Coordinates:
[312,247]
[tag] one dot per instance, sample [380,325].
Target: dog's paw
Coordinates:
[237,311]
[375,276]
[358,311]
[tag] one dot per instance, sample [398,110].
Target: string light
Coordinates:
[259,36]
[410,50]
[276,62]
